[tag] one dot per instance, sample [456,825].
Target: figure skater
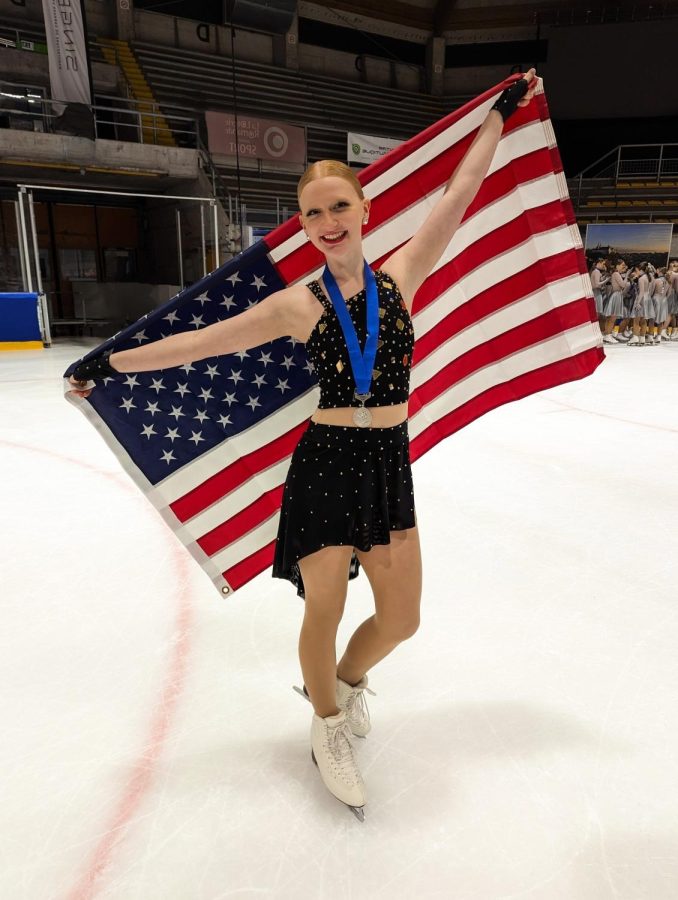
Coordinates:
[348,497]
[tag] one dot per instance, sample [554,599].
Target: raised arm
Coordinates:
[269,319]
[258,325]
[413,262]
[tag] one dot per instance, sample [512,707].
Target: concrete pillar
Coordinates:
[435,66]
[286,47]
[124,26]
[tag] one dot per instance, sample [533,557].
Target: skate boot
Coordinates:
[634,342]
[609,339]
[350,698]
[352,701]
[332,752]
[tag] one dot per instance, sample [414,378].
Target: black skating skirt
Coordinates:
[345,485]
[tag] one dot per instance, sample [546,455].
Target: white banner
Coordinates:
[365,148]
[67,51]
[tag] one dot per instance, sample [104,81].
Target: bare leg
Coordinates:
[325,575]
[394,572]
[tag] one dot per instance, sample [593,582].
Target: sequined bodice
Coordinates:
[326,348]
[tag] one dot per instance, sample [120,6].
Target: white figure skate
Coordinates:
[350,699]
[332,752]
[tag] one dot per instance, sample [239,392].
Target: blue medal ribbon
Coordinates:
[362,363]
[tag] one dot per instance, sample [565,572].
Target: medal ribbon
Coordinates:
[362,363]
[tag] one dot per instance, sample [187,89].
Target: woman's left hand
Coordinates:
[531,78]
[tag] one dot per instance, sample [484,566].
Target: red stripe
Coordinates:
[489,246]
[230,478]
[428,178]
[560,372]
[535,331]
[247,568]
[243,522]
[534,278]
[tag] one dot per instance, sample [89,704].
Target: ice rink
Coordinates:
[523,742]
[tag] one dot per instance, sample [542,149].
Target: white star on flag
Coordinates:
[148,431]
[265,359]
[172,317]
[168,456]
[157,385]
[197,321]
[152,408]
[233,278]
[172,434]
[258,283]
[182,389]
[228,302]
[176,412]
[127,404]
[253,402]
[196,437]
[131,381]
[140,336]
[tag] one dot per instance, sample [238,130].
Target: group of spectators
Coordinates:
[637,306]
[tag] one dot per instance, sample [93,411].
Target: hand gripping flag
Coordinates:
[507,311]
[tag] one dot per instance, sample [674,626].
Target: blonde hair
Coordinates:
[329,167]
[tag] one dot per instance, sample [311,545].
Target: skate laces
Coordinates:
[341,750]
[356,707]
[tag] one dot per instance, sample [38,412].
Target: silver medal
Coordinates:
[362,417]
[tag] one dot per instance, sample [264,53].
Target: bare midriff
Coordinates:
[382,416]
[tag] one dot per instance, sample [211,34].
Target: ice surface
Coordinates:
[524,740]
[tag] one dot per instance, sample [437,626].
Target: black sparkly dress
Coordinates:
[349,485]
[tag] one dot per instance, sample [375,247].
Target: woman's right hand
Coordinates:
[79,389]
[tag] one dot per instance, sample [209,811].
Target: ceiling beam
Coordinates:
[385,10]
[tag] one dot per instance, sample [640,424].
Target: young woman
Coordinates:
[660,298]
[642,311]
[599,279]
[672,278]
[348,497]
[614,307]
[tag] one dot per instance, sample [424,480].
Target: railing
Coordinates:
[118,118]
[632,162]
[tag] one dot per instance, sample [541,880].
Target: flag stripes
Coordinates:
[507,311]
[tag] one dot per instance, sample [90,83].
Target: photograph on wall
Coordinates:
[634,242]
[674,244]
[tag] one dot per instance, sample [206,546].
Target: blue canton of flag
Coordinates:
[167,418]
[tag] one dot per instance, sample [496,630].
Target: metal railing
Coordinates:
[119,118]
[629,163]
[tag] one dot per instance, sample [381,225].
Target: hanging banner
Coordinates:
[257,138]
[365,148]
[67,51]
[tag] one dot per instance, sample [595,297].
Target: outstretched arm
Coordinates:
[413,262]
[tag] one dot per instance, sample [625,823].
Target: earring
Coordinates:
[365,220]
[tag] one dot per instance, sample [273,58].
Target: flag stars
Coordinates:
[128,404]
[197,321]
[212,370]
[235,377]
[157,385]
[234,278]
[203,298]
[140,336]
[287,362]
[265,359]
[230,399]
[168,456]
[253,402]
[258,380]
[172,434]
[201,415]
[131,381]
[187,367]
[228,302]
[177,412]
[196,437]
[206,394]
[258,283]
[310,368]
[224,421]
[282,386]
[152,408]
[148,430]
[172,317]
[241,354]
[182,389]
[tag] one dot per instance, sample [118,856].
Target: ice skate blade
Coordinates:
[302,692]
[357,811]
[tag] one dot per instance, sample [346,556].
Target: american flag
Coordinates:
[507,311]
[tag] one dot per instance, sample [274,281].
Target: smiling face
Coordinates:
[332,215]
